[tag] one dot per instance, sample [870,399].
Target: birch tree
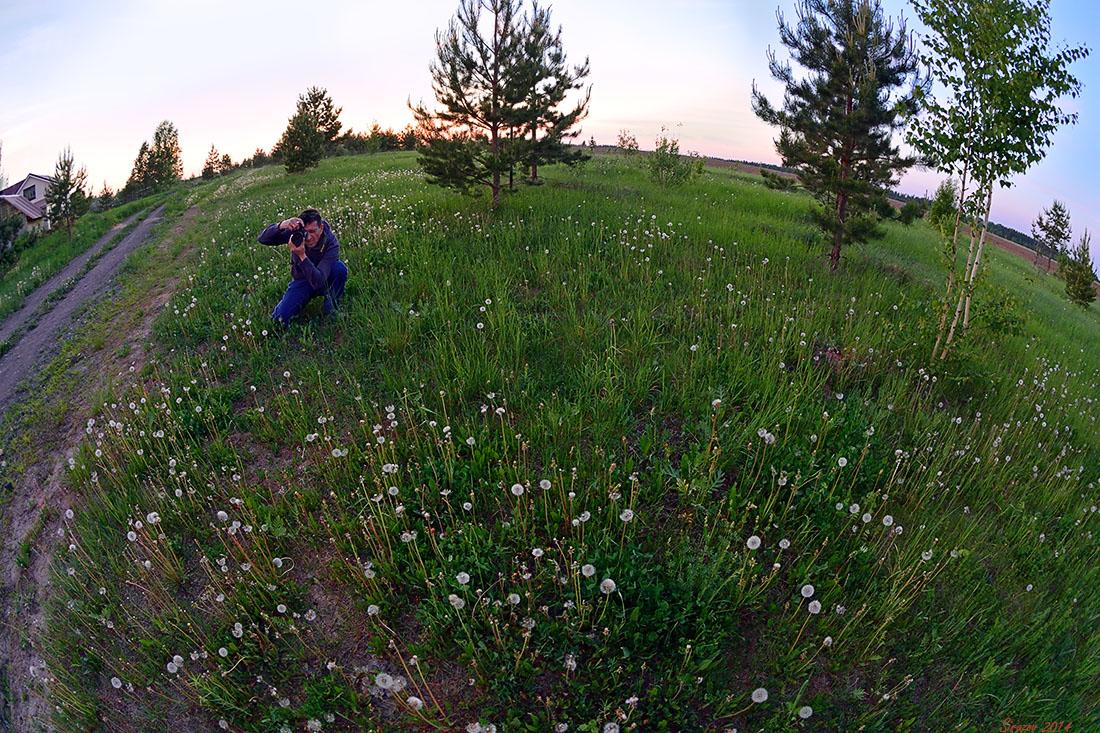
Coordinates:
[1002,83]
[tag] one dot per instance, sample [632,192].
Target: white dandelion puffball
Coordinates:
[753,542]
[807,590]
[815,607]
[457,602]
[853,509]
[887,520]
[517,489]
[513,598]
[152,517]
[607,585]
[383,680]
[544,484]
[827,641]
[805,711]
[626,515]
[611,728]
[116,682]
[842,462]
[415,702]
[926,555]
[372,609]
[759,695]
[463,578]
[223,652]
[784,544]
[222,516]
[588,570]
[172,667]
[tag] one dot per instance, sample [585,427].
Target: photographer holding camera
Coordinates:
[315,266]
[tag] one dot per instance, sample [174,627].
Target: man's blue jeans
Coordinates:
[299,292]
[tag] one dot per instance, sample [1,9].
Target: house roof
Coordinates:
[14,188]
[24,207]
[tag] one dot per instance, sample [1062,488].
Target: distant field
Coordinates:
[610,455]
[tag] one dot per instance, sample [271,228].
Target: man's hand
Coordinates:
[293,223]
[300,250]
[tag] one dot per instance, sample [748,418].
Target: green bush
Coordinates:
[667,167]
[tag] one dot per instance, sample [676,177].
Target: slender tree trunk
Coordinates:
[954,256]
[977,261]
[964,289]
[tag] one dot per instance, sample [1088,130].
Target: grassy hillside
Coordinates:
[609,455]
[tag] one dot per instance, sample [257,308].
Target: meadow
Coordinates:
[610,457]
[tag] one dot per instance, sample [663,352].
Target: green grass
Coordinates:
[572,462]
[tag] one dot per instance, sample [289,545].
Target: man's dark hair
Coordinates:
[310,216]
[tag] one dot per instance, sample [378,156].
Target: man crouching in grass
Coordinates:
[315,266]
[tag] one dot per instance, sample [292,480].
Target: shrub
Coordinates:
[627,143]
[666,166]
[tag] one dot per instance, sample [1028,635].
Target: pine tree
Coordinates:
[302,145]
[1052,231]
[213,158]
[318,103]
[545,79]
[225,165]
[1080,275]
[66,199]
[836,125]
[474,76]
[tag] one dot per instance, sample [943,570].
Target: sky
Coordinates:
[99,77]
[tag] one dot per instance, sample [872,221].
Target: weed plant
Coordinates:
[610,457]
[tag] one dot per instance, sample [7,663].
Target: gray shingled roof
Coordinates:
[23,206]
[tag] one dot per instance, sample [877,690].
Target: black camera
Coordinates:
[297,237]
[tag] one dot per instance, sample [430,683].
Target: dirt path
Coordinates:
[14,321]
[32,524]
[22,359]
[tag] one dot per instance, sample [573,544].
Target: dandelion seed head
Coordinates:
[607,586]
[815,607]
[805,712]
[753,542]
[588,570]
[807,590]
[517,489]
[759,695]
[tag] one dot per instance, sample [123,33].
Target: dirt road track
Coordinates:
[27,353]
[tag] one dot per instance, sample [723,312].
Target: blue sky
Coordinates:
[99,77]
